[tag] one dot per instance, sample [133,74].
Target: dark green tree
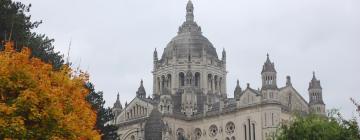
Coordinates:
[16,25]
[104,115]
[314,127]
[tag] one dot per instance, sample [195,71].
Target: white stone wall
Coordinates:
[265,119]
[131,132]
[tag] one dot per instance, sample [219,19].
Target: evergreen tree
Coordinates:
[104,115]
[16,24]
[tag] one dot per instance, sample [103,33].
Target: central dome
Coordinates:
[189,41]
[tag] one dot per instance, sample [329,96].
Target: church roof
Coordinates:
[189,41]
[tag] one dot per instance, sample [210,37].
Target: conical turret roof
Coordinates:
[141,90]
[117,103]
[314,83]
[268,66]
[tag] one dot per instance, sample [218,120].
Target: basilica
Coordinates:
[189,98]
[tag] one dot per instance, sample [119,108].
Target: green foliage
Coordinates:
[314,127]
[15,24]
[104,115]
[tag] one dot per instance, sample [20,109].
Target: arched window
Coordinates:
[216,82]
[158,81]
[168,81]
[182,79]
[210,84]
[189,78]
[197,79]
[220,84]
[180,134]
[163,81]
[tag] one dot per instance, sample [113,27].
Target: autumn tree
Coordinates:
[314,127]
[37,102]
[16,24]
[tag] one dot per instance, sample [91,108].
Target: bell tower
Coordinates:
[269,87]
[316,102]
[268,75]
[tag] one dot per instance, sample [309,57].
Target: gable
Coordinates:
[249,97]
[137,108]
[290,98]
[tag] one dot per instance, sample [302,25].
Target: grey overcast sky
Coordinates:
[114,40]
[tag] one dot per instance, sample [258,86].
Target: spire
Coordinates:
[117,103]
[237,90]
[288,81]
[268,65]
[316,102]
[189,25]
[314,83]
[141,93]
[155,55]
[314,77]
[224,55]
[190,11]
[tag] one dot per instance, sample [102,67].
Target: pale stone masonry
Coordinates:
[189,99]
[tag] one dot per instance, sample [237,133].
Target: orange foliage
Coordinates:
[37,102]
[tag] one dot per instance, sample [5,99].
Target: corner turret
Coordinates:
[141,93]
[155,55]
[268,75]
[117,108]
[269,87]
[316,102]
[237,91]
[223,56]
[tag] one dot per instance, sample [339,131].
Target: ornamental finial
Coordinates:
[190,11]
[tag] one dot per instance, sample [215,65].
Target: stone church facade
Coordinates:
[189,100]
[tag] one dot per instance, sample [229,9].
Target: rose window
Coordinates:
[198,133]
[213,130]
[230,128]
